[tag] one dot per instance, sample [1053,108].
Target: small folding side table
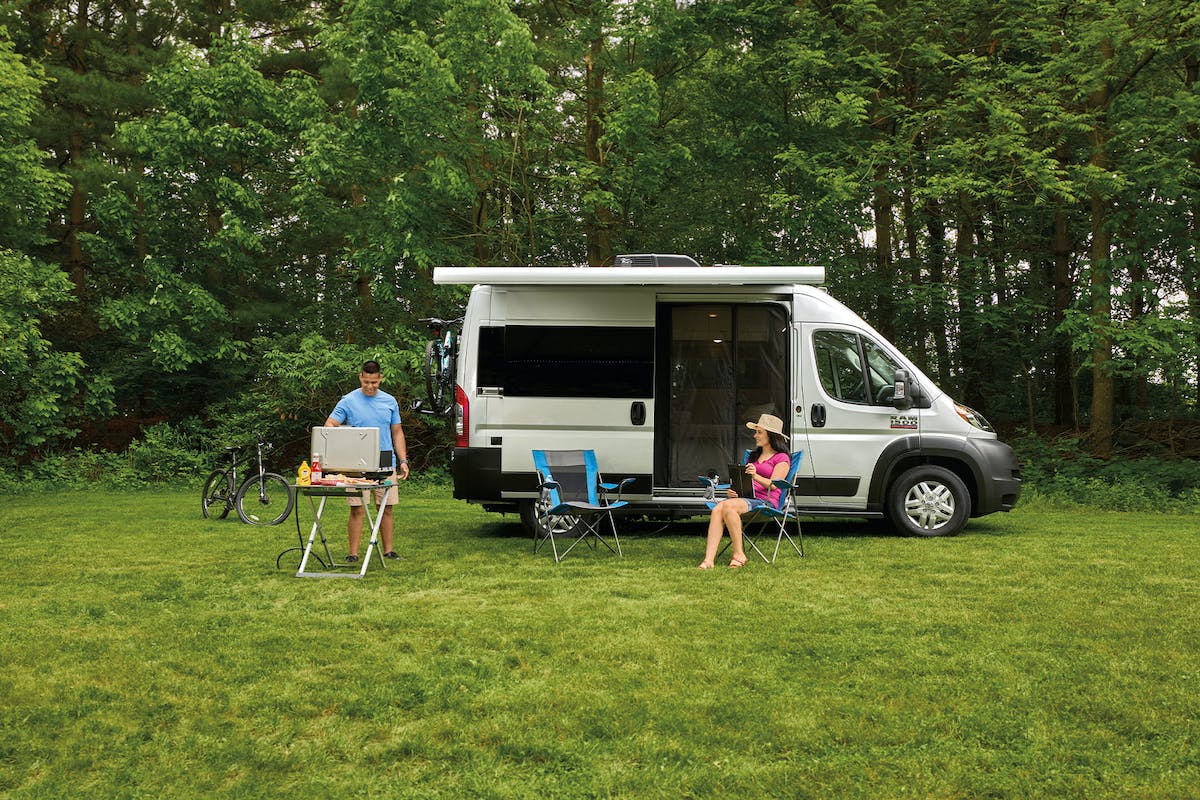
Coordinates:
[318,509]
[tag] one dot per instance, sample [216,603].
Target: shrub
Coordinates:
[168,453]
[73,469]
[1061,468]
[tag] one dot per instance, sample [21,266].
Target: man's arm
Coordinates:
[332,423]
[400,446]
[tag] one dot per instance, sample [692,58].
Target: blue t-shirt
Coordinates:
[359,411]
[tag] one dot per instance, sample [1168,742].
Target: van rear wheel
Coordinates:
[929,501]
[536,526]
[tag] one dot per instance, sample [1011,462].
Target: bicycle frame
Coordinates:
[262,487]
[232,482]
[440,355]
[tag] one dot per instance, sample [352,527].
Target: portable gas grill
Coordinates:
[351,451]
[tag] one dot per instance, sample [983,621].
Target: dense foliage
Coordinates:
[213,210]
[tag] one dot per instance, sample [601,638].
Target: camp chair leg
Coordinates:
[749,535]
[783,534]
[748,538]
[754,547]
[800,536]
[613,524]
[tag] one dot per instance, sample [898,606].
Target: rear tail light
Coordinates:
[461,417]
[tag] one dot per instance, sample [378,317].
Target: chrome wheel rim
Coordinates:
[929,505]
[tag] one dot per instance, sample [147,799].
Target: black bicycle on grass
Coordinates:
[262,498]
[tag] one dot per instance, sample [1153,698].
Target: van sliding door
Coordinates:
[719,366]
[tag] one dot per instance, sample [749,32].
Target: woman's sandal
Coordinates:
[734,563]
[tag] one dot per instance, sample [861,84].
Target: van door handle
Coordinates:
[816,416]
[637,413]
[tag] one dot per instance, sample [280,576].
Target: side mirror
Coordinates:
[901,391]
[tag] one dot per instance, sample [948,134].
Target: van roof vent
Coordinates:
[654,260]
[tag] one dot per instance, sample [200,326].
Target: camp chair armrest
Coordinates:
[545,489]
[620,487]
[712,487]
[705,480]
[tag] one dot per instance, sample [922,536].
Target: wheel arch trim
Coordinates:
[950,452]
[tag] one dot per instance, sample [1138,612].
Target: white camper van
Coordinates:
[657,363]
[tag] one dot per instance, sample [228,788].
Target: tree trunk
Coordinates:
[1101,425]
[1064,371]
[968,318]
[1191,265]
[76,54]
[599,227]
[1135,391]
[885,277]
[936,232]
[920,321]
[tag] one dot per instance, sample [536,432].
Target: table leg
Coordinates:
[312,535]
[378,518]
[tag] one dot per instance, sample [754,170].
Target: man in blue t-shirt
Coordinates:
[368,407]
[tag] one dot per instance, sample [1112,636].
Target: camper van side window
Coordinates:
[853,368]
[839,365]
[567,361]
[881,373]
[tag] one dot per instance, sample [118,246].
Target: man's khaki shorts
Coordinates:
[356,498]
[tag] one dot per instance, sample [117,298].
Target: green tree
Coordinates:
[43,391]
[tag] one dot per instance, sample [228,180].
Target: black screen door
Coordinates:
[721,365]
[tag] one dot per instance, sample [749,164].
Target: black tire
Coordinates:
[566,526]
[434,383]
[216,496]
[929,501]
[271,506]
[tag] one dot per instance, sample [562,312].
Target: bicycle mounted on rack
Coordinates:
[439,368]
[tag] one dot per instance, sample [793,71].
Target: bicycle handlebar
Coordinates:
[435,322]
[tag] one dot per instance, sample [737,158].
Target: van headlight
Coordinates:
[973,418]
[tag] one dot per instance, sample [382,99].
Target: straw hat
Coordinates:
[768,422]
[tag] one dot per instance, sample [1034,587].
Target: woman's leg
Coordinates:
[716,528]
[733,524]
[717,522]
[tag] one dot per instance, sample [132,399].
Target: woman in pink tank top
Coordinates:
[769,462]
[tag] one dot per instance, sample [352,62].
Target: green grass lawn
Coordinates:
[147,652]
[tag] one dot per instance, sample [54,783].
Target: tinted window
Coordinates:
[567,361]
[840,366]
[881,373]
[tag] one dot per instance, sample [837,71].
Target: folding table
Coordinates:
[318,509]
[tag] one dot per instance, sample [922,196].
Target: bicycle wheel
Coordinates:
[218,491]
[265,500]
[435,386]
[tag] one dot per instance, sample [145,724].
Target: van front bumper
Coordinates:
[1000,484]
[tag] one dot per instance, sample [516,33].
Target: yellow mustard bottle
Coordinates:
[304,475]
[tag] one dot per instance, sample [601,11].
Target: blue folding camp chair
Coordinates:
[573,500]
[783,512]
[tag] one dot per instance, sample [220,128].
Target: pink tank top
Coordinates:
[766,469]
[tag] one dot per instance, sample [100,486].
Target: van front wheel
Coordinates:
[929,501]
